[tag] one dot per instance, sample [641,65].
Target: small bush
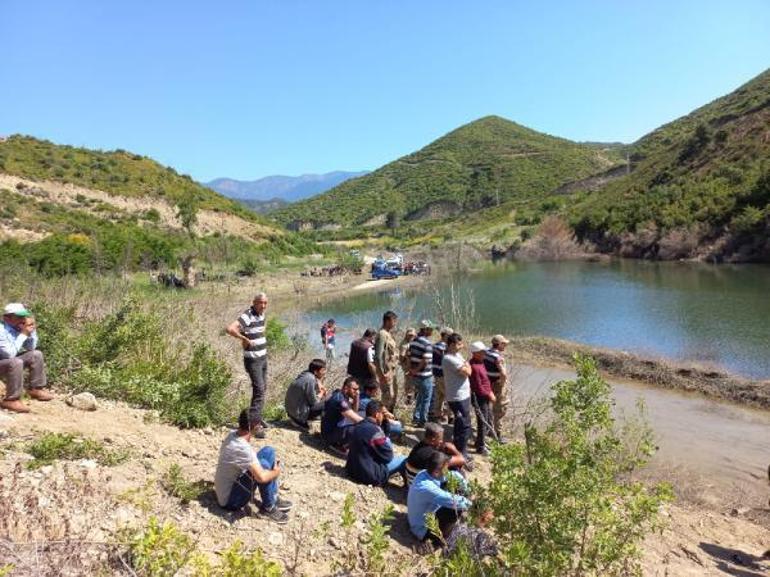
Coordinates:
[275,332]
[52,447]
[174,483]
[160,550]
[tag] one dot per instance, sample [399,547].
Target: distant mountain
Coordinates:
[481,164]
[698,186]
[287,188]
[264,206]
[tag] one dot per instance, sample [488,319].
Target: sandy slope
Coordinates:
[696,542]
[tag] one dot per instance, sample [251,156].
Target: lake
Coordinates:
[713,314]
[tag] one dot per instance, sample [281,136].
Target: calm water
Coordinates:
[682,311]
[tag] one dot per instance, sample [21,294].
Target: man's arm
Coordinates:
[446,499]
[263,476]
[456,458]
[379,357]
[352,415]
[381,448]
[234,330]
[370,362]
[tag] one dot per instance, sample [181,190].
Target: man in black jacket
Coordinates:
[361,362]
[371,460]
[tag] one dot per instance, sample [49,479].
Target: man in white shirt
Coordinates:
[241,472]
[18,351]
[458,391]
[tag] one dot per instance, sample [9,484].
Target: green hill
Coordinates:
[699,186]
[481,164]
[72,210]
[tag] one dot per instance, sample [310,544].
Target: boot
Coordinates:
[40,394]
[14,405]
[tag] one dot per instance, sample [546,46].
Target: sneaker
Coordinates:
[275,515]
[259,433]
[339,450]
[283,504]
[483,451]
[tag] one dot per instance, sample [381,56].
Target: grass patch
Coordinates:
[52,447]
[175,484]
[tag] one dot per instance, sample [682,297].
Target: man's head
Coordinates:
[499,342]
[331,323]
[350,387]
[259,303]
[245,425]
[445,332]
[410,334]
[371,389]
[437,464]
[15,314]
[318,368]
[426,328]
[389,320]
[454,342]
[434,434]
[375,411]
[369,334]
[478,350]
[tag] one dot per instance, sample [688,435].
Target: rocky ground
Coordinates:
[70,513]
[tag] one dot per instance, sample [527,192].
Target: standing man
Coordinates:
[494,361]
[404,361]
[482,397]
[421,371]
[386,360]
[437,403]
[18,351]
[329,339]
[458,392]
[361,361]
[249,329]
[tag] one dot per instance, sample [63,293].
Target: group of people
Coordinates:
[357,419]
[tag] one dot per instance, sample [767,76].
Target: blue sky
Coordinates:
[250,88]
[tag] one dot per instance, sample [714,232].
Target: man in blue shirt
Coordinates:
[426,496]
[340,412]
[18,351]
[371,460]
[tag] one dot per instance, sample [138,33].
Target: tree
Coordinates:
[187,213]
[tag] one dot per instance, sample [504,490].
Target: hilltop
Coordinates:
[699,186]
[482,164]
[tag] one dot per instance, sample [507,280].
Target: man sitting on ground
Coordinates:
[474,539]
[241,471]
[340,412]
[18,351]
[432,443]
[371,460]
[426,496]
[392,426]
[305,396]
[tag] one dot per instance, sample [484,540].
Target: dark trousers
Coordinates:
[447,518]
[257,371]
[484,421]
[462,424]
[314,412]
[244,487]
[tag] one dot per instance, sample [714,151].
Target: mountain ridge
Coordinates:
[281,187]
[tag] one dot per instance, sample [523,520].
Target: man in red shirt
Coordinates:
[482,397]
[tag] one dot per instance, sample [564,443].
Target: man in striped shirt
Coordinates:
[421,372]
[249,329]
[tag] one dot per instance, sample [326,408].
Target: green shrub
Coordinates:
[275,333]
[51,447]
[160,550]
[175,484]
[563,503]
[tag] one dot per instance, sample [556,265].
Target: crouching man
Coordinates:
[18,351]
[241,472]
[305,396]
[371,460]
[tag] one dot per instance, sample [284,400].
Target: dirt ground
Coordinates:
[88,503]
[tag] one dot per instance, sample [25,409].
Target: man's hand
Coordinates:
[383,379]
[245,344]
[492,397]
[27,326]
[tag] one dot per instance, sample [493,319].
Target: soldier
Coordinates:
[494,361]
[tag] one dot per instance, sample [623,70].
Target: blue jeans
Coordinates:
[397,465]
[392,428]
[245,485]
[424,388]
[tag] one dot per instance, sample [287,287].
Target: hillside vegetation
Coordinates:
[66,210]
[699,186]
[481,164]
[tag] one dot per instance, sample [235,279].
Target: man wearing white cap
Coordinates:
[18,351]
[494,361]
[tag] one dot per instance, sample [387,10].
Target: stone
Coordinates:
[337,496]
[83,402]
[88,464]
[275,539]
[740,511]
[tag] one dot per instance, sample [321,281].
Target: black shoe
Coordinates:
[283,504]
[339,450]
[274,515]
[264,424]
[259,433]
[483,451]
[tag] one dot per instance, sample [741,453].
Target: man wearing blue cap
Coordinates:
[18,351]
